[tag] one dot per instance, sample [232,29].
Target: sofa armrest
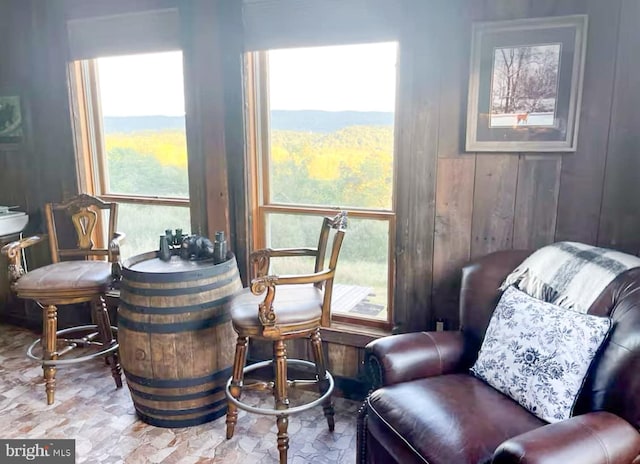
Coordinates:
[399,358]
[596,437]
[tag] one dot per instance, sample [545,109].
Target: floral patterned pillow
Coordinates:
[539,353]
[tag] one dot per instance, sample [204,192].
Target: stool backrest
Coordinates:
[83,215]
[339,224]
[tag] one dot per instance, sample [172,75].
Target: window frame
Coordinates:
[88,133]
[258,153]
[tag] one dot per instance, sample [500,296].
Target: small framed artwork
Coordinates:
[11,123]
[525,84]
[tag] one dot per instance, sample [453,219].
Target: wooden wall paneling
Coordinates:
[536,201]
[416,153]
[259,350]
[298,349]
[205,117]
[582,172]
[53,143]
[498,10]
[42,166]
[454,79]
[620,216]
[455,170]
[12,175]
[452,239]
[231,34]
[14,73]
[343,360]
[493,203]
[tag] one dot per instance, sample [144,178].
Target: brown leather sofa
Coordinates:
[430,409]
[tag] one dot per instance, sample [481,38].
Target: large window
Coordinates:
[322,139]
[132,140]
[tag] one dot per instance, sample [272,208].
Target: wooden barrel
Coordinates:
[176,339]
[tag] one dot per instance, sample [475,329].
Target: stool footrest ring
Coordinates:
[62,362]
[279,412]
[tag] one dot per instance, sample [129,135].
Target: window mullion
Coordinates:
[264,125]
[98,153]
[263,145]
[145,200]
[82,139]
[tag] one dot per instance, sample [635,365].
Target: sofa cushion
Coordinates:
[539,354]
[448,419]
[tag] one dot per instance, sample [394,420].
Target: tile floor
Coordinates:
[102,420]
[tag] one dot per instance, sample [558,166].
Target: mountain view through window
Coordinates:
[145,149]
[331,120]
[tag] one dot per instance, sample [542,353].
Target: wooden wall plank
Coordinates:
[51,112]
[456,169]
[230,30]
[582,172]
[493,203]
[205,118]
[15,164]
[452,240]
[454,72]
[620,217]
[416,153]
[45,165]
[536,202]
[498,10]
[343,360]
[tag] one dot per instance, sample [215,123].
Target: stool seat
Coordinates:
[67,279]
[78,274]
[297,305]
[278,309]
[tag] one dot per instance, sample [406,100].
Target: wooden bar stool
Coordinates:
[82,278]
[299,307]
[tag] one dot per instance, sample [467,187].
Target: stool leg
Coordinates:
[236,384]
[49,349]
[282,399]
[101,317]
[323,381]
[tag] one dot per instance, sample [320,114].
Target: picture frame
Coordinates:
[11,121]
[525,84]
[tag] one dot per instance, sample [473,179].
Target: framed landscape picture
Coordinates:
[11,127]
[525,84]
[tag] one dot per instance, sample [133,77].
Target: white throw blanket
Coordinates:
[568,274]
